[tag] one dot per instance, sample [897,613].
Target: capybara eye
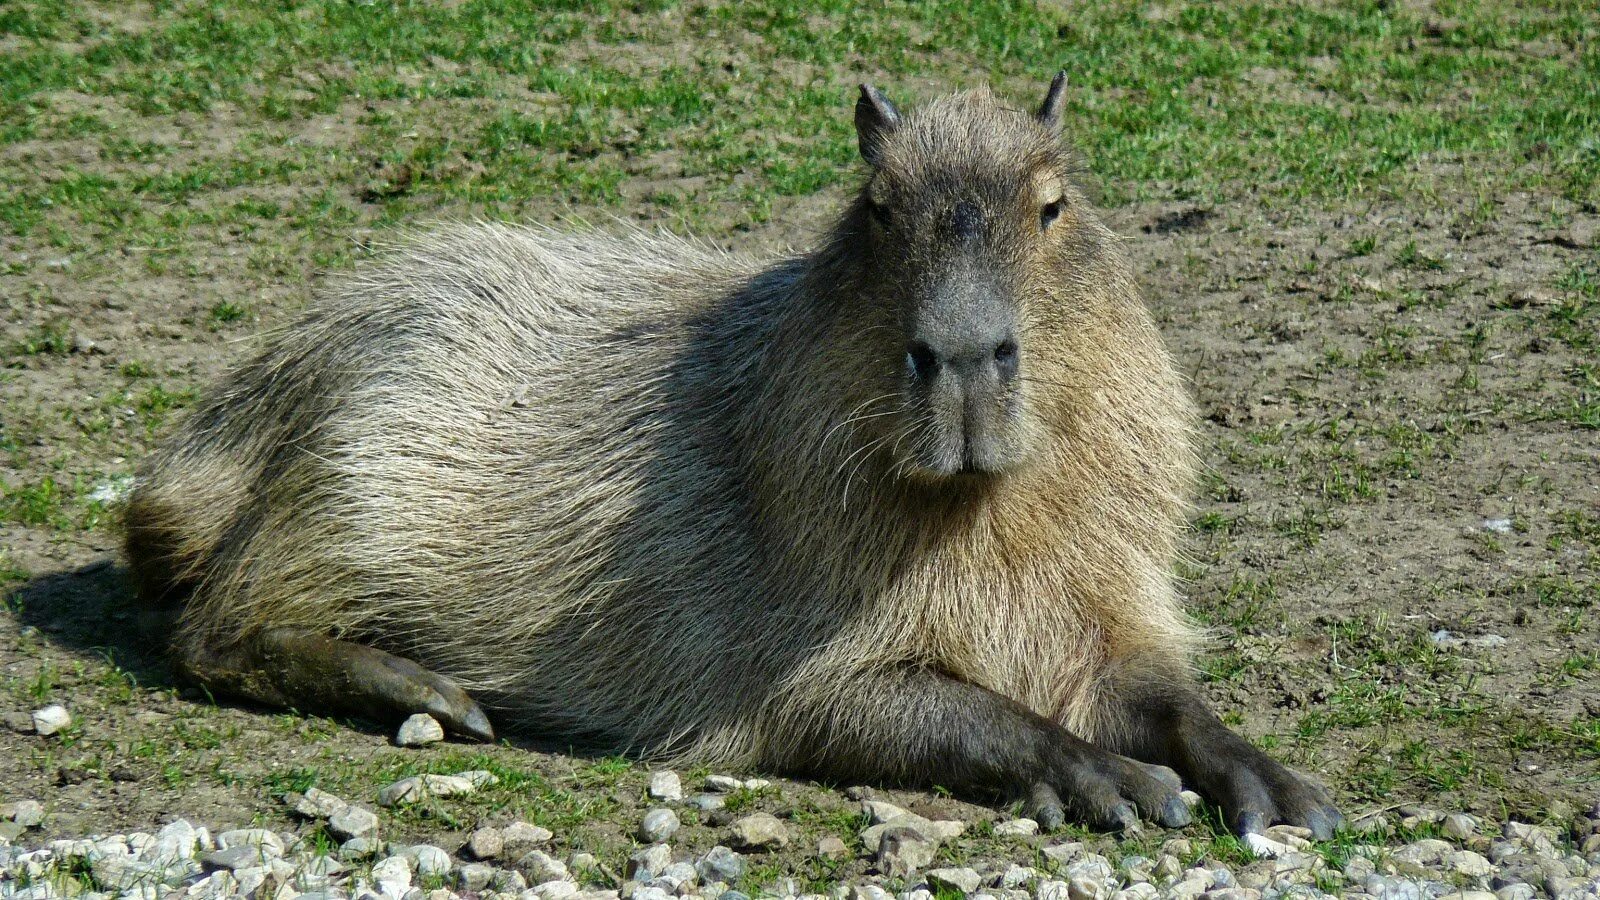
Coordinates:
[1051,211]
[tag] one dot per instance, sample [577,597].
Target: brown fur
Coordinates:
[633,492]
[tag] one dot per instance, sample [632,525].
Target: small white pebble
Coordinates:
[51,719]
[666,786]
[419,730]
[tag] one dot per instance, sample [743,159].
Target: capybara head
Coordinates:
[963,230]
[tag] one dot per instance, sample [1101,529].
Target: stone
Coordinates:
[648,892]
[666,785]
[269,844]
[51,719]
[486,843]
[881,812]
[868,892]
[963,879]
[1081,888]
[358,848]
[935,831]
[26,813]
[1516,892]
[353,821]
[1231,893]
[657,825]
[1063,853]
[708,802]
[1468,863]
[679,877]
[722,784]
[233,858]
[474,876]
[1168,867]
[1017,828]
[479,778]
[1424,852]
[1263,847]
[556,890]
[759,832]
[645,863]
[521,835]
[418,787]
[1459,826]
[316,803]
[428,859]
[539,867]
[832,847]
[419,730]
[902,850]
[721,864]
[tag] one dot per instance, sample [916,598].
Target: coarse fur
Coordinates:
[638,494]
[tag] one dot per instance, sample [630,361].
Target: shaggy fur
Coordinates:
[634,493]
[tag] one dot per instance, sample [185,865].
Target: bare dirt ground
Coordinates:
[1397,541]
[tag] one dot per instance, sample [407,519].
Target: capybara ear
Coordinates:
[1050,109]
[876,117]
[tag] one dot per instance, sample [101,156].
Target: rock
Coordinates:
[722,784]
[902,850]
[556,890]
[176,840]
[539,867]
[1357,869]
[582,861]
[233,858]
[51,719]
[759,831]
[1263,847]
[260,838]
[1539,840]
[1516,892]
[1290,835]
[1017,828]
[678,877]
[1425,852]
[27,813]
[358,848]
[20,722]
[881,812]
[708,802]
[1168,868]
[480,778]
[721,864]
[868,892]
[964,880]
[353,822]
[657,826]
[428,859]
[1064,853]
[936,831]
[666,786]
[1459,826]
[418,787]
[1082,888]
[645,863]
[419,730]
[1468,863]
[647,892]
[317,804]
[519,836]
[474,876]
[486,843]
[392,875]
[832,847]
[1231,893]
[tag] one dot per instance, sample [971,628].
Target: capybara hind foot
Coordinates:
[301,669]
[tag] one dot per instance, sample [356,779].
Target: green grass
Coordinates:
[483,103]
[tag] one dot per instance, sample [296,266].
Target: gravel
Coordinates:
[904,857]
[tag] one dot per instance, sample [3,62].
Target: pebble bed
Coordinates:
[515,860]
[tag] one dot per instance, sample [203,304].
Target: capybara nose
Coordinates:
[970,361]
